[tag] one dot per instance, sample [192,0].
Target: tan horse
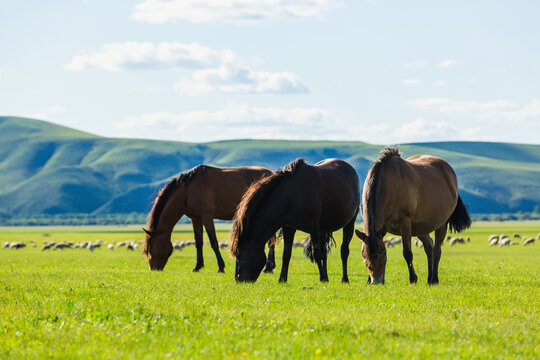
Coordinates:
[203,194]
[410,197]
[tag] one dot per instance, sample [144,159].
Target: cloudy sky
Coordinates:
[379,71]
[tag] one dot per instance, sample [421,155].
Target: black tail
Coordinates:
[460,219]
[327,242]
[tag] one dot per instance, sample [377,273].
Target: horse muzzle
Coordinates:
[380,280]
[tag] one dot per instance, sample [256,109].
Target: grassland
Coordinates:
[107,304]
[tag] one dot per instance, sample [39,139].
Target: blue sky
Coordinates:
[384,72]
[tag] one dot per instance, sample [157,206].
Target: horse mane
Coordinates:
[372,182]
[163,197]
[253,197]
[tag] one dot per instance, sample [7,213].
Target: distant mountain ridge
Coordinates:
[50,169]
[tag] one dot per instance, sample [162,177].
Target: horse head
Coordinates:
[157,248]
[250,261]
[374,253]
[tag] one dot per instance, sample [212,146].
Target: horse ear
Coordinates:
[147,232]
[361,235]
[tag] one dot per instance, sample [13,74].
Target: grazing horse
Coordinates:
[203,194]
[317,199]
[410,197]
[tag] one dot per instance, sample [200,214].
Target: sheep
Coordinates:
[514,243]
[417,242]
[517,236]
[528,241]
[298,244]
[493,236]
[17,245]
[494,241]
[504,242]
[120,244]
[48,245]
[6,245]
[468,239]
[110,247]
[223,244]
[189,243]
[93,246]
[131,245]
[397,241]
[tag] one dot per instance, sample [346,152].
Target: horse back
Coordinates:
[218,191]
[327,191]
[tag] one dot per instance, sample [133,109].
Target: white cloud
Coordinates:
[239,80]
[411,82]
[418,130]
[239,121]
[146,55]
[440,83]
[446,63]
[499,110]
[230,11]
[417,64]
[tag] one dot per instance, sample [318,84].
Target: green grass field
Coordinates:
[107,304]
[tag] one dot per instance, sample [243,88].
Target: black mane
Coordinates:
[166,192]
[253,196]
[371,201]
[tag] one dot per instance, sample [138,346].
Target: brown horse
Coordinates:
[317,199]
[410,197]
[203,194]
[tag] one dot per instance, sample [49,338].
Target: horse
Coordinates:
[203,194]
[317,199]
[411,197]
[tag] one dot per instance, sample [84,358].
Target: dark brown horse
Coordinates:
[410,197]
[317,199]
[203,194]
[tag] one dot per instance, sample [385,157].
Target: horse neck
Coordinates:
[172,212]
[268,218]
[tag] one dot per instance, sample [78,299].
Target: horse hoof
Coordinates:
[282,280]
[325,280]
[268,271]
[345,280]
[197,268]
[413,280]
[221,271]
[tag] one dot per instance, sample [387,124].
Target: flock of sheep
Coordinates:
[390,242]
[504,240]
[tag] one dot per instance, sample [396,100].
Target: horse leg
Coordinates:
[348,231]
[440,234]
[211,231]
[318,253]
[405,229]
[288,238]
[198,231]
[271,260]
[428,248]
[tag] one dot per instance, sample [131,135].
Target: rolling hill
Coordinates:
[51,169]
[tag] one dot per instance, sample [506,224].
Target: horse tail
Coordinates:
[460,219]
[327,242]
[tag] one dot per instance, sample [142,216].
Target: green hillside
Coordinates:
[51,169]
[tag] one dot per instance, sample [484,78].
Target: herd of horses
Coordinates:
[408,197]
